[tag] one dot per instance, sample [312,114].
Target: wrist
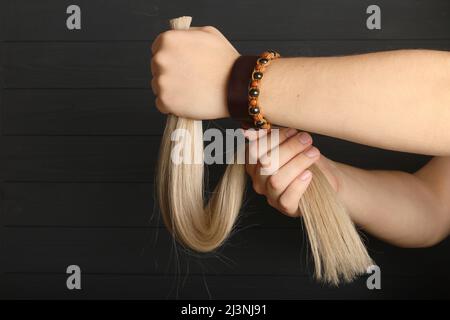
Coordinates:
[237,88]
[244,88]
[333,173]
[270,87]
[284,96]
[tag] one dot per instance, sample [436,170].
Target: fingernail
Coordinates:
[291,132]
[305,175]
[312,152]
[304,138]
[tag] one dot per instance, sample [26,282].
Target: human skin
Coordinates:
[397,100]
[407,210]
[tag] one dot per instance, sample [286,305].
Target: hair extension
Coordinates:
[337,249]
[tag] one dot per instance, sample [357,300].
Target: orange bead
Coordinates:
[254,84]
[260,68]
[266,55]
[253,102]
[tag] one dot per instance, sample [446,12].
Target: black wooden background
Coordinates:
[80,134]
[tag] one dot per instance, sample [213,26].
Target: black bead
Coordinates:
[253,110]
[262,60]
[260,123]
[257,75]
[253,92]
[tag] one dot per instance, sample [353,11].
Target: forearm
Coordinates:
[397,100]
[397,207]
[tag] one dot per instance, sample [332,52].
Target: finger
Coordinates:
[252,134]
[156,44]
[158,63]
[153,67]
[278,182]
[154,86]
[166,38]
[261,142]
[209,29]
[260,180]
[250,169]
[260,177]
[212,30]
[279,156]
[160,106]
[290,199]
[219,34]
[205,28]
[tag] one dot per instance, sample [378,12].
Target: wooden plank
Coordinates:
[77,65]
[81,112]
[107,205]
[80,158]
[29,20]
[79,204]
[151,251]
[113,111]
[2,67]
[52,286]
[122,65]
[71,112]
[367,157]
[3,20]
[96,159]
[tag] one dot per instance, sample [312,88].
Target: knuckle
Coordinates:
[291,213]
[158,59]
[156,43]
[252,155]
[154,86]
[319,155]
[159,105]
[161,81]
[287,207]
[165,98]
[257,188]
[284,204]
[209,29]
[274,182]
[168,37]
[271,202]
[293,146]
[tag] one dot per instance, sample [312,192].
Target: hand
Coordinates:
[190,71]
[286,185]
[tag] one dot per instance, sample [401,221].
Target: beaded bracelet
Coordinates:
[254,109]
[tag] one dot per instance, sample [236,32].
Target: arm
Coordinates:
[396,100]
[408,210]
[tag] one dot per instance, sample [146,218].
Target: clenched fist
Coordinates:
[190,71]
[286,183]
